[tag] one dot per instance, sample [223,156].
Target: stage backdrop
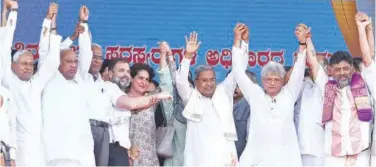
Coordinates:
[132,28]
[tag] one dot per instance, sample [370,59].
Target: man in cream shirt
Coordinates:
[210,124]
[26,89]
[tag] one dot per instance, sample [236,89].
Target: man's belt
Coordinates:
[99,123]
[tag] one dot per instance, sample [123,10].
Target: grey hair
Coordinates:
[202,68]
[17,55]
[273,67]
[97,45]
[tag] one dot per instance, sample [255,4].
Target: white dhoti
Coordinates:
[360,160]
[29,154]
[311,160]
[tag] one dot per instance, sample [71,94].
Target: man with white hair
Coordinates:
[272,137]
[210,124]
[26,88]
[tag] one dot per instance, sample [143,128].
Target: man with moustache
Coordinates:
[25,87]
[211,131]
[348,115]
[102,96]
[120,146]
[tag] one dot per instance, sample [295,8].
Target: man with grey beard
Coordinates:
[120,150]
[347,117]
[105,96]
[119,73]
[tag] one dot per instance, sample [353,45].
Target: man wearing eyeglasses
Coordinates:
[273,140]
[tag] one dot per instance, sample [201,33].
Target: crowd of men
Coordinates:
[78,109]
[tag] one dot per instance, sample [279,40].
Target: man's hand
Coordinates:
[52,11]
[362,20]
[191,45]
[302,32]
[9,4]
[84,13]
[165,48]
[245,34]
[79,29]
[240,33]
[12,163]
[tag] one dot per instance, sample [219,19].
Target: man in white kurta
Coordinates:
[8,123]
[66,129]
[27,97]
[368,68]
[310,131]
[272,139]
[206,142]
[368,74]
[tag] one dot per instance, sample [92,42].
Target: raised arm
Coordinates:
[182,83]
[67,43]
[371,38]
[52,62]
[252,92]
[44,42]
[166,81]
[362,21]
[241,39]
[7,74]
[84,42]
[122,101]
[319,76]
[295,82]
[171,64]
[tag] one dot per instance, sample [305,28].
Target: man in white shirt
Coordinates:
[368,67]
[66,130]
[347,114]
[272,137]
[310,131]
[210,124]
[121,105]
[7,129]
[26,89]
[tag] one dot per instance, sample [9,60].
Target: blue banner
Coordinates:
[132,28]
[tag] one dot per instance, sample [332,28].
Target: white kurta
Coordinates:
[66,128]
[205,143]
[310,131]
[272,139]
[368,74]
[27,95]
[8,122]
